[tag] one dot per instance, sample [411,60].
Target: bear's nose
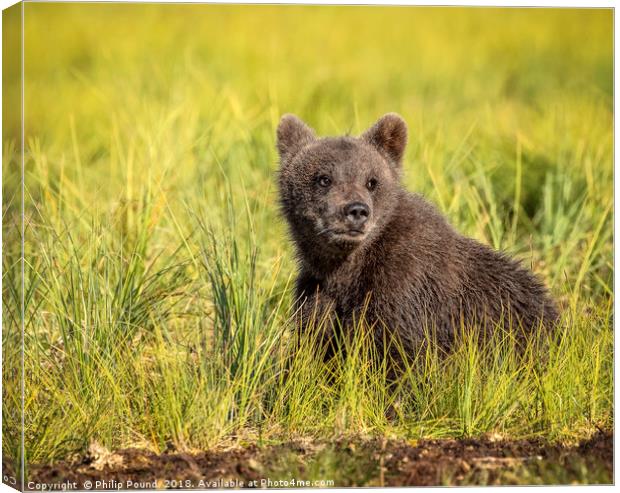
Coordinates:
[356,213]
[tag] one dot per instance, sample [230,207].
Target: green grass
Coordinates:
[158,274]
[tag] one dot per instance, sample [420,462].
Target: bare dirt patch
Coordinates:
[346,462]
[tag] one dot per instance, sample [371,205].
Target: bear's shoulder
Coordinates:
[417,248]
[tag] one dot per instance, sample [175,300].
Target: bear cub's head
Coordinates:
[338,192]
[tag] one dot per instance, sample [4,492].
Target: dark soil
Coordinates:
[351,462]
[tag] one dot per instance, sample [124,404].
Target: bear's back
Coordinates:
[425,274]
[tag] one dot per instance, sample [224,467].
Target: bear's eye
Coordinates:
[371,184]
[324,181]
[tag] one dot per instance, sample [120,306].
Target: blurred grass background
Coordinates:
[158,271]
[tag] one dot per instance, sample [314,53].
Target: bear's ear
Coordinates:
[389,135]
[292,134]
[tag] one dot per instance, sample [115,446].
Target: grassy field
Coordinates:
[158,272]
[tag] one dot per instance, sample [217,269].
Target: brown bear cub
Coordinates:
[366,246]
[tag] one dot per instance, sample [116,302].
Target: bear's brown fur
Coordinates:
[366,245]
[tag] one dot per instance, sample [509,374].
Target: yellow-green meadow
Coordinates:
[158,273]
